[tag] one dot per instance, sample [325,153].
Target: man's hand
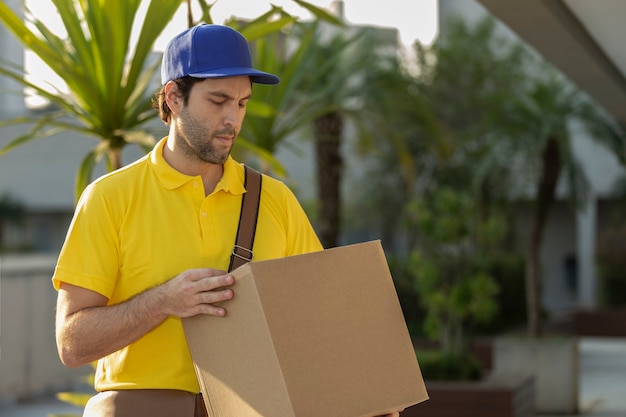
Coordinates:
[196,291]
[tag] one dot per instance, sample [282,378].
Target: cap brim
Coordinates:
[256,76]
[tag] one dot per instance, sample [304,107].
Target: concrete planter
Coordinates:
[497,395]
[553,362]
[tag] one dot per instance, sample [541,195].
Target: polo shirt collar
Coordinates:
[231,181]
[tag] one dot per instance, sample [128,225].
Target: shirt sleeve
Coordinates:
[89,257]
[301,235]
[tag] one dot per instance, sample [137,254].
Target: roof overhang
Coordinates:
[584,39]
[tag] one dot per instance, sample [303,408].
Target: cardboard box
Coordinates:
[315,335]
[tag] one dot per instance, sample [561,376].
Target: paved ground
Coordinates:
[603,377]
[602,385]
[42,408]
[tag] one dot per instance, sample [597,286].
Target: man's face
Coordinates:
[212,118]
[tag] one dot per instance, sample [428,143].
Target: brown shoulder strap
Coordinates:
[242,251]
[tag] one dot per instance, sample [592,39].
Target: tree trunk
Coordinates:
[115,159]
[328,131]
[189,15]
[546,190]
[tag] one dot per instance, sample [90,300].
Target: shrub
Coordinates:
[440,366]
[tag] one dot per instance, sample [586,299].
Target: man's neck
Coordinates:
[210,173]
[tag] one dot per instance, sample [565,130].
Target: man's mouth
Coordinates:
[225,140]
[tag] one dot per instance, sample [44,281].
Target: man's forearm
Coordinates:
[88,329]
[94,332]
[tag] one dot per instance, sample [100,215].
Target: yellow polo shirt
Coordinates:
[144,224]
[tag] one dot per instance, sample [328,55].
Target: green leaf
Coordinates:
[75,398]
[83,177]
[320,13]
[39,132]
[260,109]
[258,29]
[264,156]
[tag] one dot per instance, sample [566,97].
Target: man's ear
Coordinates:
[172,97]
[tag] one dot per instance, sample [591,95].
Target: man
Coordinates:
[149,244]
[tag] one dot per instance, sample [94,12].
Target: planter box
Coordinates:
[482,349]
[606,322]
[498,395]
[554,364]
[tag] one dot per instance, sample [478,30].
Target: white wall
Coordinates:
[41,174]
[29,364]
[11,51]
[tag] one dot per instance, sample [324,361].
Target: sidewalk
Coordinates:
[603,377]
[43,407]
[602,385]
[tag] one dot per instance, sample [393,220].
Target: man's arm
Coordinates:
[87,329]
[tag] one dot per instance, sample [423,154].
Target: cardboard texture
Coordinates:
[312,335]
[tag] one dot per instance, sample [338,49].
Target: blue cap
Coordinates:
[210,51]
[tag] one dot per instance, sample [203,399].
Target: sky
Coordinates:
[414,19]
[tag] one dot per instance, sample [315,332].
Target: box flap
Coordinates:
[339,332]
[234,358]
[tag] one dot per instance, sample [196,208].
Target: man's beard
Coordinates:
[200,143]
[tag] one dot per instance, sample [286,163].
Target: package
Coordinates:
[314,335]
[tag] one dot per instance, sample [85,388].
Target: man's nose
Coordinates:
[231,115]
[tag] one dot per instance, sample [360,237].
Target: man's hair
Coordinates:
[183,86]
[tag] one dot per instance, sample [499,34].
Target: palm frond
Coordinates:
[106,70]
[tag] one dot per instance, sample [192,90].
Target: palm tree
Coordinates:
[107,75]
[331,86]
[543,120]
[332,77]
[315,86]
[279,112]
[338,90]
